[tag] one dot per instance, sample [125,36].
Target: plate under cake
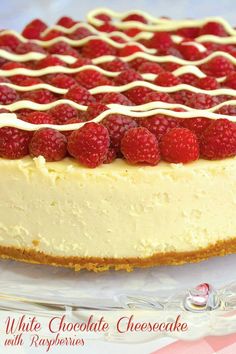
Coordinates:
[133,162]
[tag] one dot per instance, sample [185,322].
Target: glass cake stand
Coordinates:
[204,294]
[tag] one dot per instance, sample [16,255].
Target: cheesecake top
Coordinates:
[121,85]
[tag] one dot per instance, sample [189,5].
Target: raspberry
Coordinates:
[207,83]
[159,124]
[34,29]
[28,47]
[48,143]
[89,145]
[89,78]
[94,109]
[190,52]
[111,156]
[157,97]
[127,76]
[116,97]
[115,65]
[62,81]
[202,101]
[107,27]
[181,97]
[62,113]
[14,143]
[80,95]
[7,95]
[135,17]
[169,66]
[213,28]
[4,79]
[132,32]
[219,140]
[196,125]
[218,66]
[179,145]
[117,125]
[128,50]
[63,48]
[96,48]
[39,118]
[9,40]
[188,79]
[230,80]
[150,67]
[28,81]
[161,41]
[80,62]
[135,63]
[16,79]
[227,110]
[66,22]
[49,61]
[118,39]
[39,96]
[140,145]
[189,32]
[71,121]
[138,94]
[52,34]
[79,33]
[167,79]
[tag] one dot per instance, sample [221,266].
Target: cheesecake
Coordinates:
[118,141]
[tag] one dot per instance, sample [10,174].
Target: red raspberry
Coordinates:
[14,143]
[150,67]
[167,79]
[207,83]
[230,80]
[135,17]
[52,34]
[196,125]
[37,117]
[117,125]
[49,61]
[127,76]
[202,101]
[4,79]
[170,66]
[29,81]
[71,121]
[190,52]
[179,145]
[111,156]
[129,50]
[79,33]
[48,143]
[227,110]
[116,97]
[16,79]
[219,140]
[80,95]
[218,66]
[189,32]
[34,29]
[132,32]
[159,124]
[115,65]
[7,95]
[9,40]
[28,47]
[161,41]
[89,145]
[118,39]
[107,27]
[62,113]
[96,48]
[66,22]
[157,97]
[103,17]
[62,81]
[39,96]
[138,94]
[135,63]
[63,48]
[81,62]
[94,109]
[89,78]
[140,145]
[213,28]
[188,79]
[181,97]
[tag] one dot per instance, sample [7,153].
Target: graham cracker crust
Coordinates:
[95,264]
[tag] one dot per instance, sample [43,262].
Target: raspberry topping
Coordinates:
[218,141]
[213,28]
[62,113]
[14,143]
[230,80]
[196,125]
[39,96]
[80,95]
[218,66]
[34,29]
[7,95]
[39,118]
[150,67]
[49,61]
[207,83]
[167,79]
[127,76]
[160,41]
[62,81]
[94,109]
[140,145]
[117,125]
[90,78]
[138,94]
[116,97]
[179,145]
[89,145]
[96,48]
[159,124]
[48,143]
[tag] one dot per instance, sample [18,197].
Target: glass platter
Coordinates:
[149,293]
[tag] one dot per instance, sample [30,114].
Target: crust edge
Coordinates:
[96,264]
